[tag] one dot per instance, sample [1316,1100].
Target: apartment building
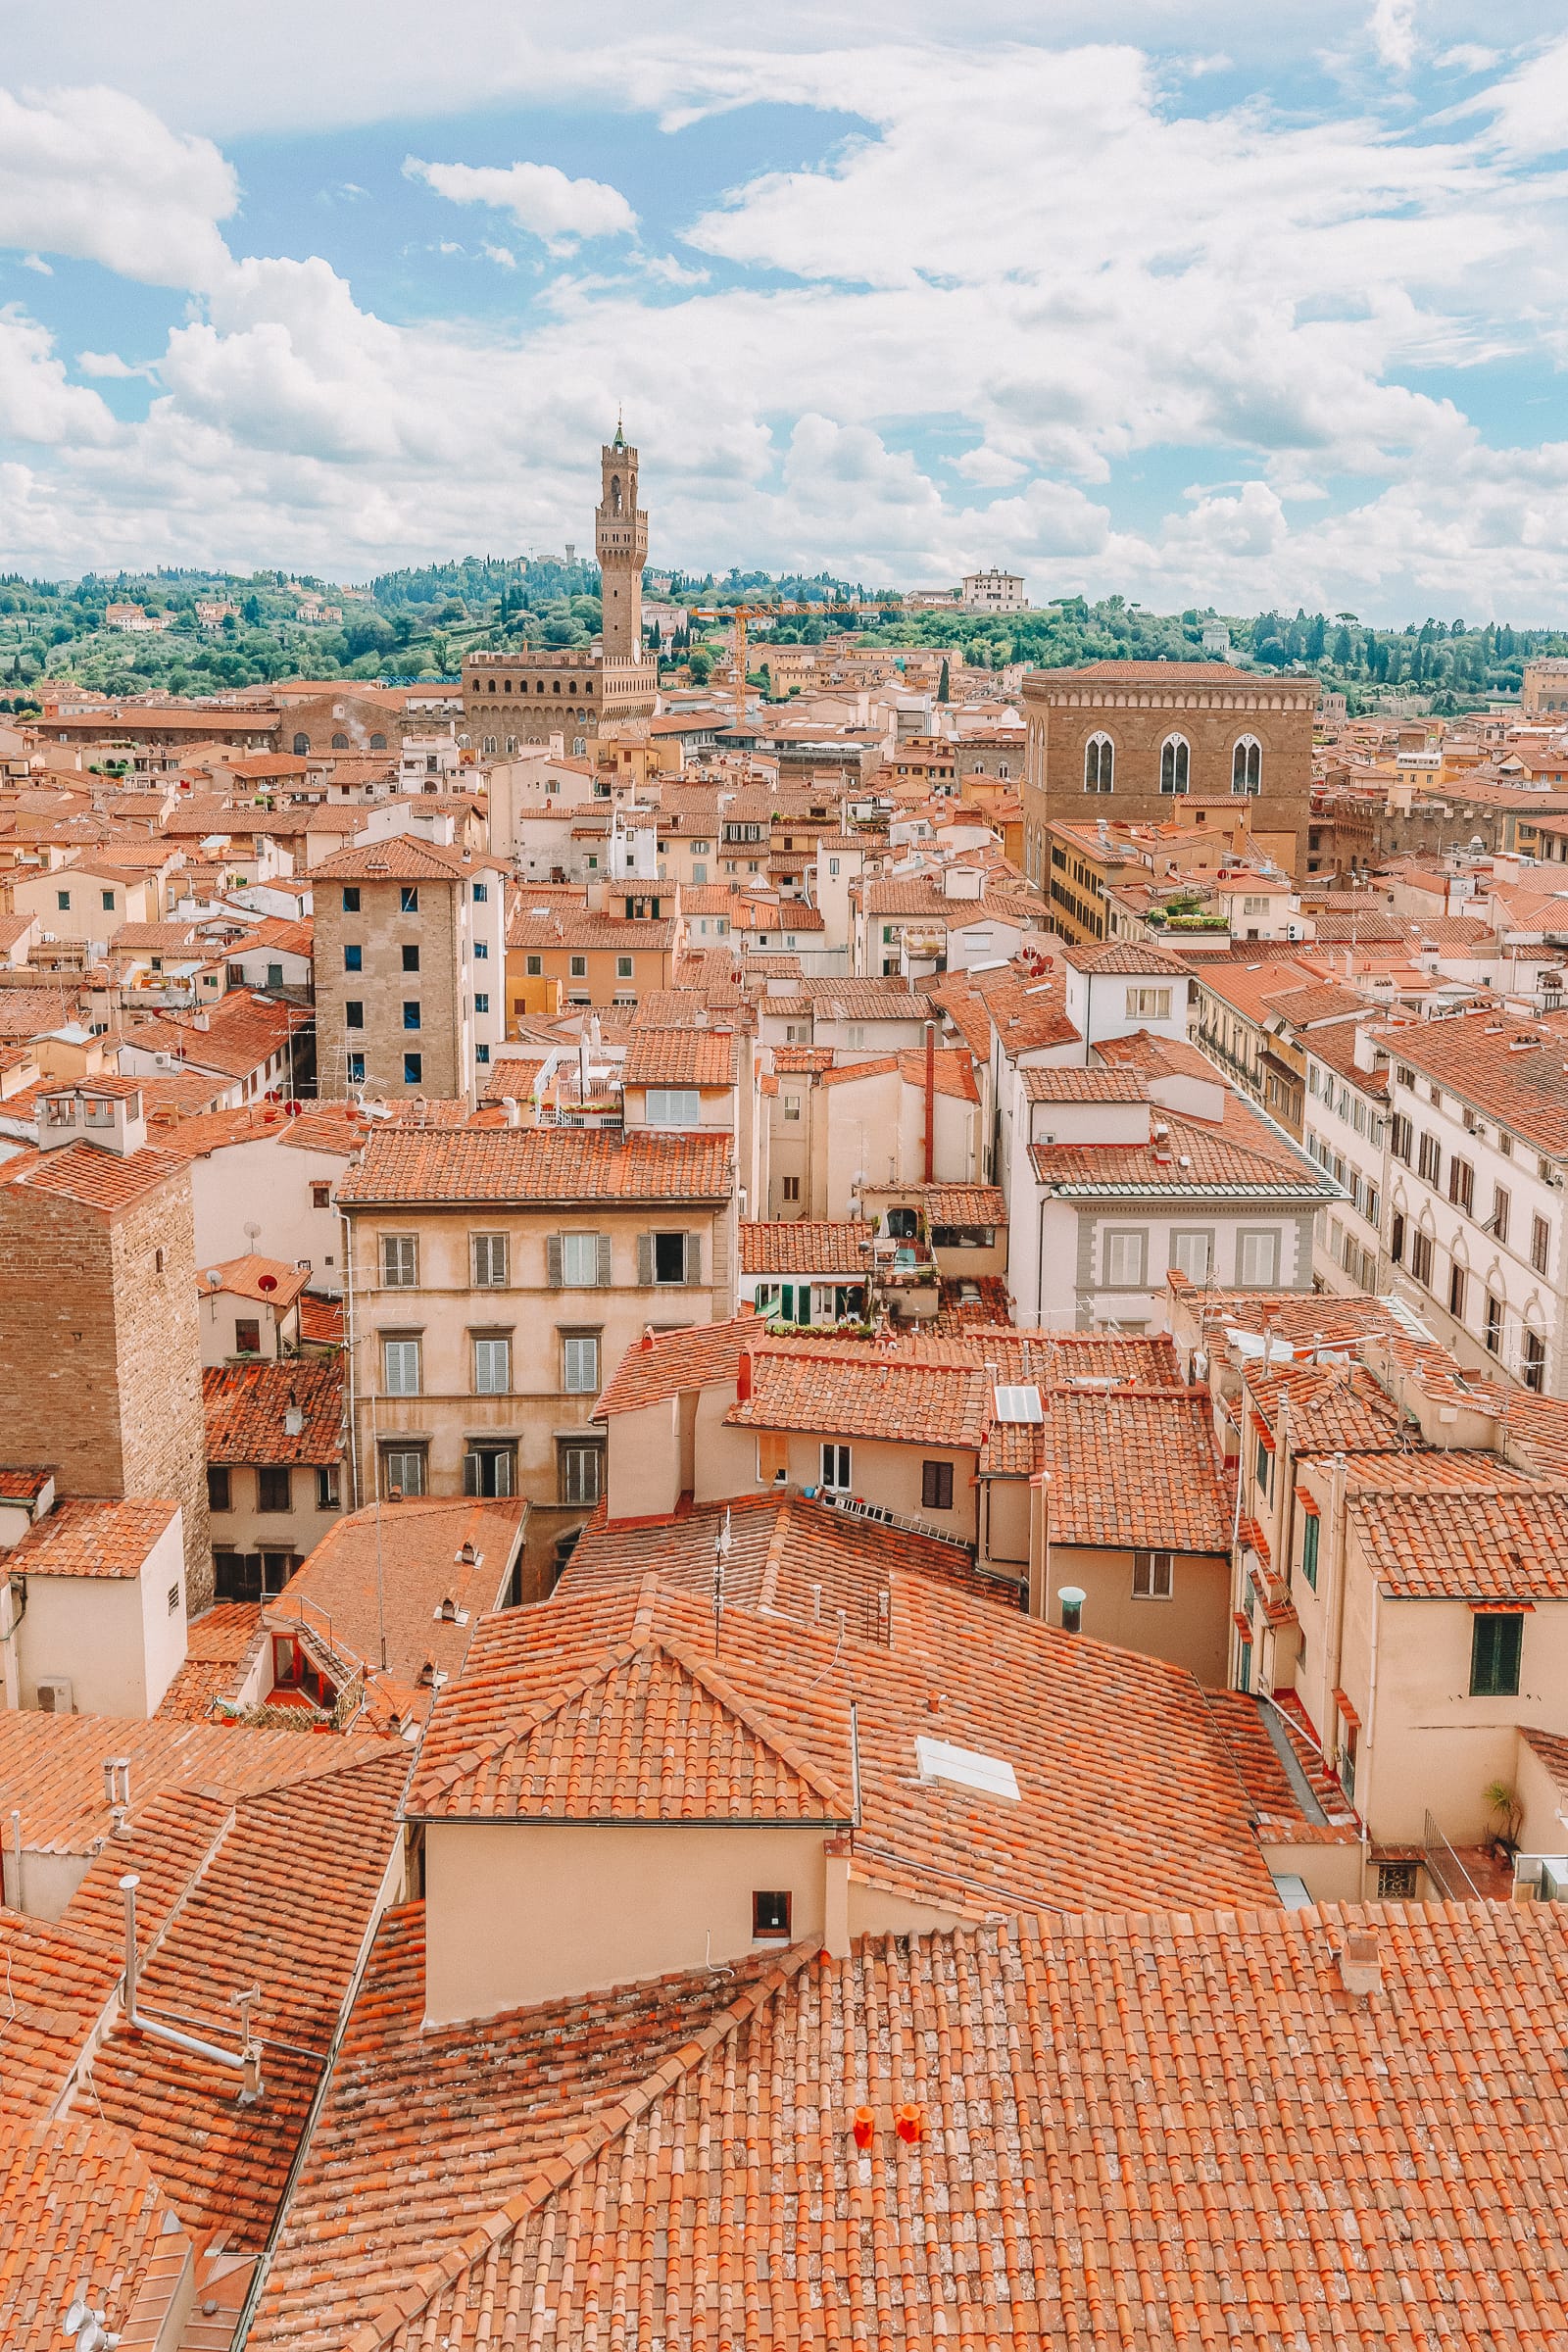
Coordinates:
[410,965]
[275,1469]
[1474,1220]
[1346,1131]
[496,1277]
[100,1376]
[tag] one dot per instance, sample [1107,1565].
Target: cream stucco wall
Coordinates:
[116,1637]
[268,1184]
[517,1913]
[1191,1629]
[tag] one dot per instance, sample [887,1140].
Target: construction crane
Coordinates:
[739,614]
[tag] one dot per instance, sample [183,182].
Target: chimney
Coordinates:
[930,1101]
[1361,1963]
[743,1376]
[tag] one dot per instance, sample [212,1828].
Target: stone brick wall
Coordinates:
[100,1368]
[1064,712]
[382,986]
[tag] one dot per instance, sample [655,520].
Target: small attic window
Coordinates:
[966,1768]
[1019,1404]
[770,1916]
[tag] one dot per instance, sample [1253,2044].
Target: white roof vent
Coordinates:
[966,1768]
[1019,1404]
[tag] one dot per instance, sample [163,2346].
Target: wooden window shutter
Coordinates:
[645,1260]
[772,1455]
[604,1276]
[552,1255]
[694,1258]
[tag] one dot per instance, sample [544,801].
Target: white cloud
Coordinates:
[539,198]
[37,265]
[500,254]
[1041,260]
[1392,26]
[37,403]
[106,363]
[92,174]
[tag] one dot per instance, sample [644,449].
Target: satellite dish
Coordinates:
[214,1277]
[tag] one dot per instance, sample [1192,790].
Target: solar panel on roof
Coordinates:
[1019,1404]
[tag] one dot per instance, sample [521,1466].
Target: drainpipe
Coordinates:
[348,1351]
[930,1101]
[1337,1482]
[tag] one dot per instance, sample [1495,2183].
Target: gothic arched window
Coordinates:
[1175,759]
[1247,766]
[302,744]
[1100,761]
[614,493]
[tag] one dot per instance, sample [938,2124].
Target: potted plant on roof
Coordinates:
[1503,1841]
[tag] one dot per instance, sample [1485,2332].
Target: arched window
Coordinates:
[1175,759]
[614,493]
[1099,761]
[379,743]
[340,743]
[1247,766]
[302,746]
[490,686]
[489,743]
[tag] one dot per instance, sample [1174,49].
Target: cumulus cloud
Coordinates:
[950,343]
[540,198]
[96,175]
[1392,26]
[37,401]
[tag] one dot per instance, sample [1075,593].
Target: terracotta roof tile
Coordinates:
[83,1538]
[537,1166]
[95,1178]
[806,1246]
[682,1056]
[246,1405]
[1135,1468]
[1503,1545]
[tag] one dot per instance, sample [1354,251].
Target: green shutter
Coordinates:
[553,1256]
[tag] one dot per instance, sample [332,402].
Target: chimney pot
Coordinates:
[1361,1963]
[743,1376]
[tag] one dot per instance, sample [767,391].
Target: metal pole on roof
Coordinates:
[380,1580]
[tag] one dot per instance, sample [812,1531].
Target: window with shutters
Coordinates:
[400,1261]
[579,1261]
[1540,1243]
[1309,1541]
[1397,1237]
[1457,1290]
[273,1488]
[1421,1258]
[1126,1259]
[1462,1185]
[1154,1574]
[218,1494]
[1501,1205]
[487,1259]
[935,1485]
[579,1362]
[402,1469]
[400,1367]
[772,1457]
[492,1368]
[674,1107]
[1491,1332]
[1257,1260]
[490,1470]
[1193,1254]
[1534,1367]
[1497,1646]
[580,1471]
[790,1189]
[672,1257]
[1401,1141]
[1430,1158]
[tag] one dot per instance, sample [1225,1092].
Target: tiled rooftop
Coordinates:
[1135,1467]
[1127,1791]
[684,1056]
[806,1246]
[528,1166]
[90,1539]
[1108,2151]
[1474,1546]
[246,1407]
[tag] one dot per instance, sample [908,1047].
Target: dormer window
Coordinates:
[62,1111]
[100,1113]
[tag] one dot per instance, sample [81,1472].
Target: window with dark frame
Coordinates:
[1310,1544]
[219,1491]
[1154,1574]
[247,1336]
[935,1485]
[273,1487]
[1497,1646]
[402,1469]
[770,1916]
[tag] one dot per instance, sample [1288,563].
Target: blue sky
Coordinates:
[1193,304]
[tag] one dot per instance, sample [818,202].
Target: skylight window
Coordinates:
[966,1767]
[1019,1404]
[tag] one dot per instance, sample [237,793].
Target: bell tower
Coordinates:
[620,537]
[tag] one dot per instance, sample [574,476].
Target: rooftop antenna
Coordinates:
[722,1552]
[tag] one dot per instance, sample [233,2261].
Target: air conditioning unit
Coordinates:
[54,1694]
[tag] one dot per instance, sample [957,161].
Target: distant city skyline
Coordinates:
[1270,315]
